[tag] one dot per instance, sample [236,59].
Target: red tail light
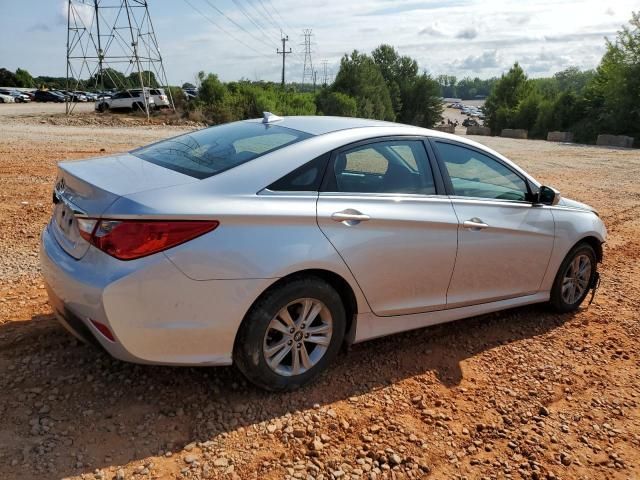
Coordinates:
[130,239]
[103,329]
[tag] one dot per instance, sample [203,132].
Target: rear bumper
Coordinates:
[156,313]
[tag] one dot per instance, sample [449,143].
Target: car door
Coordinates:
[504,240]
[121,100]
[379,207]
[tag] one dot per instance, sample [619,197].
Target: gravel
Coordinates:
[519,394]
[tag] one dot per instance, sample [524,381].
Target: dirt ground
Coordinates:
[522,394]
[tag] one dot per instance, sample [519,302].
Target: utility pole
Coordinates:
[307,71]
[315,76]
[284,53]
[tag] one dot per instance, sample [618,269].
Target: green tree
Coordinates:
[24,78]
[614,93]
[425,107]
[336,103]
[148,78]
[111,78]
[501,105]
[8,78]
[399,72]
[573,79]
[360,77]
[212,90]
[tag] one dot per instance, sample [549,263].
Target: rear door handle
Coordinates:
[350,217]
[474,224]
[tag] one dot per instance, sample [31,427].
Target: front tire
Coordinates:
[291,334]
[574,278]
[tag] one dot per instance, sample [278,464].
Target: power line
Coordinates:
[269,16]
[206,17]
[255,20]
[251,18]
[258,39]
[280,16]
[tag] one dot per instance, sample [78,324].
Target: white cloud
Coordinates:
[477,63]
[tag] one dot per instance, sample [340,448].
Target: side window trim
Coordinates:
[447,180]
[330,173]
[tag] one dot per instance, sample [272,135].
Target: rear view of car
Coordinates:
[160,98]
[115,220]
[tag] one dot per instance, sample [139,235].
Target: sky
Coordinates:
[239,40]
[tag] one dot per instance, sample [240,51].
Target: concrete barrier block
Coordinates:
[514,133]
[615,140]
[445,128]
[478,130]
[560,137]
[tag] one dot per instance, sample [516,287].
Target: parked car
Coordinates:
[49,96]
[160,99]
[74,96]
[190,93]
[470,122]
[270,243]
[126,99]
[18,96]
[6,98]
[91,97]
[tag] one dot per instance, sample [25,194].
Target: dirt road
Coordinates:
[520,394]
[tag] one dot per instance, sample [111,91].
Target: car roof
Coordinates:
[319,125]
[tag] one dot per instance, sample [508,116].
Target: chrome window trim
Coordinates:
[385,196]
[498,201]
[288,193]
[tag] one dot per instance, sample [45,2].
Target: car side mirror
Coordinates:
[548,196]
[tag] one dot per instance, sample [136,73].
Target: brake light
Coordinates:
[131,239]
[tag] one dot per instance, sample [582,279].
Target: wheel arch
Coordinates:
[594,243]
[339,283]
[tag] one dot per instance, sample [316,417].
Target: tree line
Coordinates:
[388,86]
[383,85]
[586,103]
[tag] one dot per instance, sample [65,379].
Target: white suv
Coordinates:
[126,99]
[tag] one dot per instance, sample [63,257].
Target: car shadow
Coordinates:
[68,408]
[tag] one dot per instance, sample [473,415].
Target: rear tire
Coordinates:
[574,278]
[291,334]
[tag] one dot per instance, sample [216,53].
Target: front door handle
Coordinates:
[349,217]
[474,224]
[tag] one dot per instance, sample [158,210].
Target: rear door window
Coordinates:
[213,150]
[394,166]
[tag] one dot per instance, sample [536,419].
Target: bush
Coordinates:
[336,103]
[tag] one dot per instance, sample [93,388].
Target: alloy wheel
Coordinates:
[298,336]
[576,279]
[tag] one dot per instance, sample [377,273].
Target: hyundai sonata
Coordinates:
[271,243]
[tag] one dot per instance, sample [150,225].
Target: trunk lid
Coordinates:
[89,187]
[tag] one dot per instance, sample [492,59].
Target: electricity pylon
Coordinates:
[104,34]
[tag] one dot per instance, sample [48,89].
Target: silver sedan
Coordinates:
[271,243]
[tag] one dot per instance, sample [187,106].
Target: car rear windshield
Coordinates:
[213,150]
